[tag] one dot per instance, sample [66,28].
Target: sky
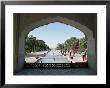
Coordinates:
[55,33]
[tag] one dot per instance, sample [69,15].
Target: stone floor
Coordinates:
[67,71]
[72,71]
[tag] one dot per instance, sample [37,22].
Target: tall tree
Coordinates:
[82,43]
[33,45]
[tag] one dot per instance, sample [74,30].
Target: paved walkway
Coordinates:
[31,57]
[77,58]
[56,57]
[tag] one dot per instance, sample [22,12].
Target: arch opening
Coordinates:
[59,38]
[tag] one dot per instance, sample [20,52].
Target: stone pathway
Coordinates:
[56,57]
[31,57]
[77,58]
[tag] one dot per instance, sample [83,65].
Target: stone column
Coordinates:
[92,60]
[21,53]
[16,42]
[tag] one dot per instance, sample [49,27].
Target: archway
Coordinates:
[88,33]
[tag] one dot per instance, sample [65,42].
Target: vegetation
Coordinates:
[34,45]
[82,44]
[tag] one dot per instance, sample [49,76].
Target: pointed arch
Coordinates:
[60,19]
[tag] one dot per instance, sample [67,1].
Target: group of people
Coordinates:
[73,50]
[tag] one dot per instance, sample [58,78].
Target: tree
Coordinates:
[82,43]
[69,41]
[60,46]
[33,45]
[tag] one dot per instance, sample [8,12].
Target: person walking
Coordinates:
[53,56]
[70,52]
[74,47]
[85,55]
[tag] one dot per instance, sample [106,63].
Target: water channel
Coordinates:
[53,57]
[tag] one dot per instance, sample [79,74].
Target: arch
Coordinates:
[88,33]
[66,21]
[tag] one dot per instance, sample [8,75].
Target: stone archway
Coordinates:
[88,33]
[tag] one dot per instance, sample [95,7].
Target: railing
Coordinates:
[56,65]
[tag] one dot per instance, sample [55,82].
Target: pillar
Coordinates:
[92,60]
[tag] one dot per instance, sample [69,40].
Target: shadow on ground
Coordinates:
[73,71]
